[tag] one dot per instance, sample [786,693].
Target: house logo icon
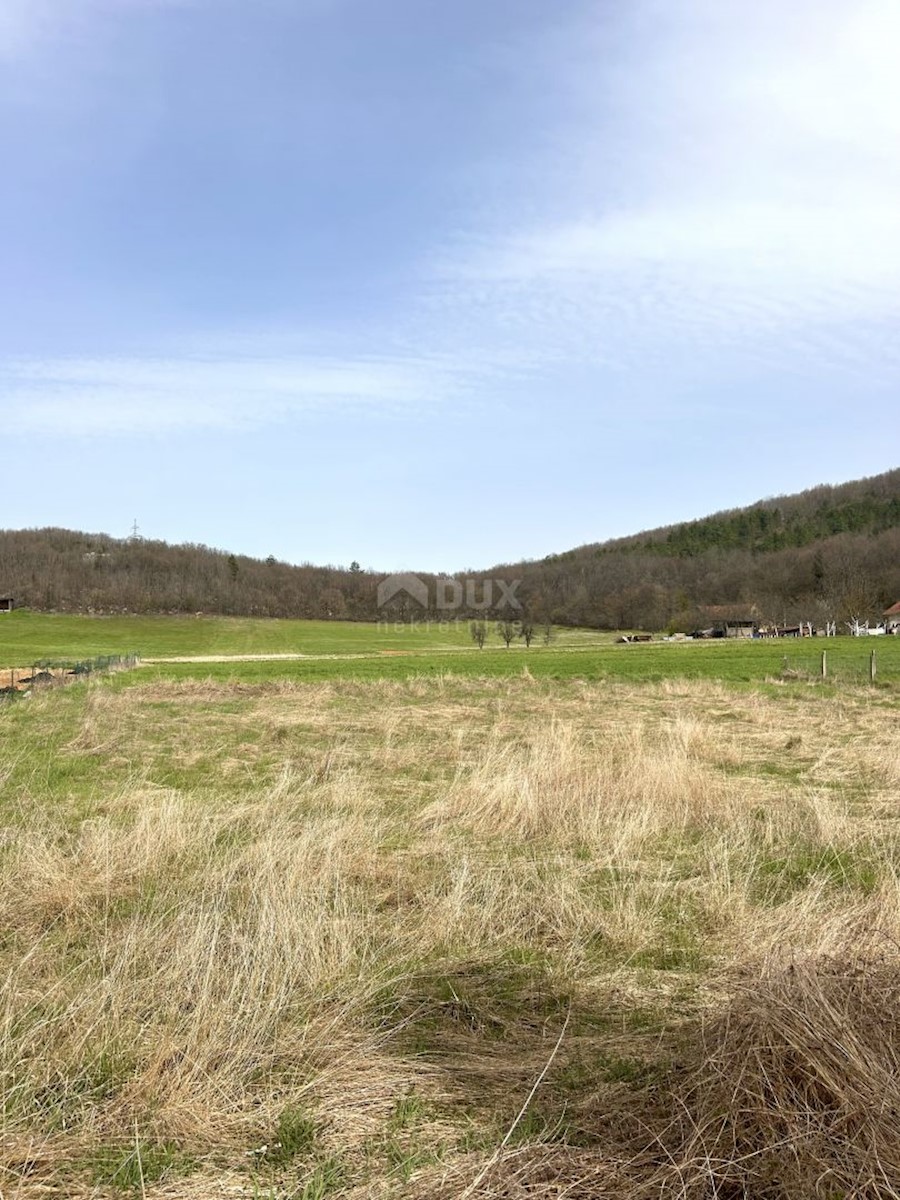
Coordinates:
[393,585]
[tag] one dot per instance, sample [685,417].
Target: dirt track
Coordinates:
[227,658]
[16,676]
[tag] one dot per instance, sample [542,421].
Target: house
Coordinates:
[891,618]
[7,604]
[731,620]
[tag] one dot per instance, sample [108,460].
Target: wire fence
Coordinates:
[55,672]
[841,662]
[864,667]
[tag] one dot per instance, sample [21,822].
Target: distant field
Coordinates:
[335,650]
[848,660]
[38,635]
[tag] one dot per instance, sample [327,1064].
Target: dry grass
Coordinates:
[796,1087]
[322,941]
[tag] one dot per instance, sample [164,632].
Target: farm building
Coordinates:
[7,604]
[892,618]
[731,620]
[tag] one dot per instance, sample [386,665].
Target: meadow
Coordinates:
[32,635]
[234,648]
[456,934]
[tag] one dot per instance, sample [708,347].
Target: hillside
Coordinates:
[868,506]
[827,552]
[65,571]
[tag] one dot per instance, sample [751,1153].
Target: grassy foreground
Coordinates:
[450,937]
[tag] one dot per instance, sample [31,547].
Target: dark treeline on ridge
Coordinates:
[827,553]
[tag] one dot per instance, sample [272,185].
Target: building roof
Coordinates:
[893,611]
[741,613]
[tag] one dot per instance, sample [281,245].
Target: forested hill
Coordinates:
[868,506]
[827,553]
[64,571]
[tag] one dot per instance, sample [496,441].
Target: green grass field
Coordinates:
[370,651]
[28,635]
[848,661]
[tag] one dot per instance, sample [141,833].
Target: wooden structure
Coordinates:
[7,603]
[730,620]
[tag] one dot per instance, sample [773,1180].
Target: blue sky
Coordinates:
[435,286]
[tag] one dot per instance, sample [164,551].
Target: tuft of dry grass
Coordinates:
[795,1089]
[788,1090]
[630,785]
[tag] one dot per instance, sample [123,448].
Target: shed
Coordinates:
[732,620]
[7,604]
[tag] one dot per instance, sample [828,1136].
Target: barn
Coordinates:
[731,620]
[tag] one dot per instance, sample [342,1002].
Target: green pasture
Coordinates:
[359,650]
[26,636]
[746,662]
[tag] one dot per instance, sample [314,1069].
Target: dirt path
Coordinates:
[422,652]
[227,658]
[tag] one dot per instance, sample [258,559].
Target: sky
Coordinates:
[434,286]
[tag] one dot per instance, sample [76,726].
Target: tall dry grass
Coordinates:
[619,790]
[340,958]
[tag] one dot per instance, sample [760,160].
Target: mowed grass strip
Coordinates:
[322,940]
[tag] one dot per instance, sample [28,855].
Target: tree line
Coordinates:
[828,553]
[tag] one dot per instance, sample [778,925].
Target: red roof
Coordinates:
[893,611]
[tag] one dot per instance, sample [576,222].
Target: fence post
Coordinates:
[824,664]
[872,667]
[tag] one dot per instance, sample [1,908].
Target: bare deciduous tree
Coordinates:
[478,630]
[507,630]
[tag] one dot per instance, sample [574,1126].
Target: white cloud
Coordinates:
[716,184]
[134,395]
[734,172]
[782,239]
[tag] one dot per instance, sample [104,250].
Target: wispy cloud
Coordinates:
[734,174]
[93,397]
[710,185]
